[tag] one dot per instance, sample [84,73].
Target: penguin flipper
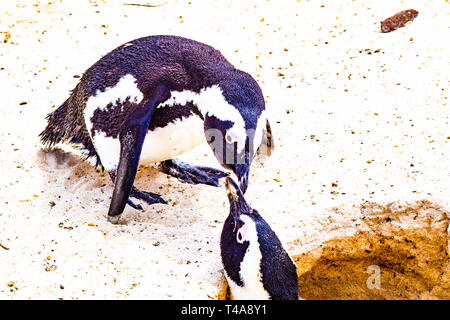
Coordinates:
[187,173]
[131,137]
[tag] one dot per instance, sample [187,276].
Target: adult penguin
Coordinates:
[154,98]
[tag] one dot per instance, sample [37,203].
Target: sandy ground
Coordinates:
[357,115]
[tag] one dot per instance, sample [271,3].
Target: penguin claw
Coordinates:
[213,172]
[136,206]
[187,173]
[148,197]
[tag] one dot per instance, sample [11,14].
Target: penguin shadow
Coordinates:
[79,173]
[55,158]
[57,164]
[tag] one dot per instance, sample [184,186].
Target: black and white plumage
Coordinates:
[256,265]
[154,98]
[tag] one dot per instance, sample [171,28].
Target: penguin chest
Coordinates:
[173,130]
[250,274]
[172,139]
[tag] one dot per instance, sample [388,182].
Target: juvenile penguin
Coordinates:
[154,98]
[256,265]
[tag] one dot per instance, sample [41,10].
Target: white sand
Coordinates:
[375,124]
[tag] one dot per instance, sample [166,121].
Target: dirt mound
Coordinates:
[396,252]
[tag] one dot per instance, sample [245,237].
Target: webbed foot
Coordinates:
[148,197]
[192,174]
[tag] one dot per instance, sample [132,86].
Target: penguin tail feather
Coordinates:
[55,130]
[61,127]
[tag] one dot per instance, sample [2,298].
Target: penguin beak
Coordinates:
[238,204]
[242,171]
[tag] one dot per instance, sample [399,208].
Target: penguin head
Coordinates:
[237,234]
[231,146]
[254,260]
[237,128]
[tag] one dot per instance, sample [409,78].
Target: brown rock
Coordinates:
[398,20]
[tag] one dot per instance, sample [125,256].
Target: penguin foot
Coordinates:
[148,197]
[187,173]
[136,206]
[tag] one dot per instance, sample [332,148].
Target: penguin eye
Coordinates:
[229,137]
[239,237]
[232,137]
